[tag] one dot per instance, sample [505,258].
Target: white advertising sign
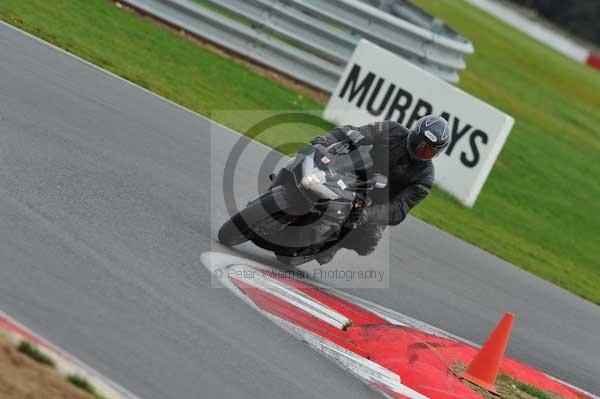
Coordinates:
[379,85]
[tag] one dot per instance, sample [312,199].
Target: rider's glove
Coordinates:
[351,136]
[322,140]
[355,137]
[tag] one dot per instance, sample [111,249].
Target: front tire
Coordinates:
[239,228]
[230,234]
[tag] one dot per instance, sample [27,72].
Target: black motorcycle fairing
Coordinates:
[298,218]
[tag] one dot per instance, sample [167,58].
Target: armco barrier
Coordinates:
[311,40]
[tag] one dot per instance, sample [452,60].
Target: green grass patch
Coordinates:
[510,388]
[533,391]
[34,353]
[84,385]
[539,208]
[507,387]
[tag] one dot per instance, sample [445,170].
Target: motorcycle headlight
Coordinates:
[316,177]
[311,174]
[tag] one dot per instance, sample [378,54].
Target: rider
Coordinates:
[404,157]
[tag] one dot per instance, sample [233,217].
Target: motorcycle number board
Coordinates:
[379,85]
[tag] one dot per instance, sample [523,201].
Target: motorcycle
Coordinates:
[313,201]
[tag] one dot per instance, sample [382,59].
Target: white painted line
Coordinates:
[364,369]
[395,317]
[289,294]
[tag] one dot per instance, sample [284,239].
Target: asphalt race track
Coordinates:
[105,209]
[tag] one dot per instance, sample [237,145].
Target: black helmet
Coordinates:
[429,138]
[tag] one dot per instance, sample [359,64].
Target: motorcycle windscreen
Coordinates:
[353,163]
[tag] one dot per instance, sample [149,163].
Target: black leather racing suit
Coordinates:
[409,181]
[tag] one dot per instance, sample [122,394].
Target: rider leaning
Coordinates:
[404,157]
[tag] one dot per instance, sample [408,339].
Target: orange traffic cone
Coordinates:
[483,370]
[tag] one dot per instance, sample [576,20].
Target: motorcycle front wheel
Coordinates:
[238,229]
[233,232]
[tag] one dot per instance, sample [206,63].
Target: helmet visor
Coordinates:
[425,150]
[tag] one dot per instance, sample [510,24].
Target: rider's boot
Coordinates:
[326,256]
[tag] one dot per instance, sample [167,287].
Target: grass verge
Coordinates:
[84,385]
[510,388]
[507,387]
[23,376]
[539,208]
[34,353]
